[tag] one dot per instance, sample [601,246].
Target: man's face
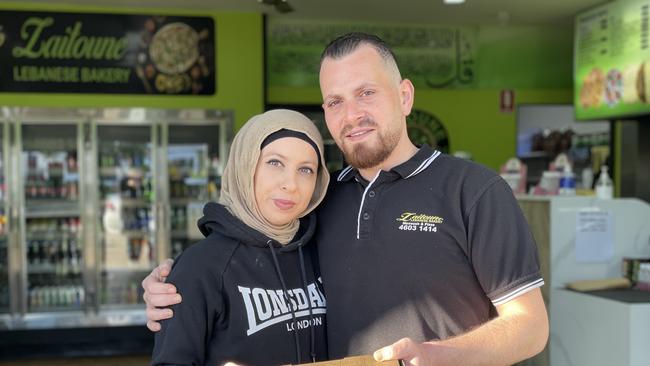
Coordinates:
[364,106]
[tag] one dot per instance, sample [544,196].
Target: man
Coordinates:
[420,252]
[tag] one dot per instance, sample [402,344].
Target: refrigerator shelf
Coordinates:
[58,236]
[136,233]
[122,316]
[55,270]
[51,208]
[55,309]
[115,171]
[128,269]
[52,214]
[180,234]
[131,202]
[185,201]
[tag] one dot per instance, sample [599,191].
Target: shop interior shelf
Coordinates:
[53,269]
[184,201]
[180,234]
[133,202]
[111,171]
[51,208]
[128,270]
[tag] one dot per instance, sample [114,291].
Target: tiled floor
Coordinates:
[82,361]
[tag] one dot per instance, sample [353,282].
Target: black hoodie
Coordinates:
[246,298]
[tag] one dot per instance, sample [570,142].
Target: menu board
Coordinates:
[612,61]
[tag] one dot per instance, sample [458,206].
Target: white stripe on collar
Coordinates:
[424,164]
[363,199]
[420,168]
[343,173]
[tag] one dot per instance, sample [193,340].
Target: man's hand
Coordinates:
[158,295]
[519,332]
[410,352]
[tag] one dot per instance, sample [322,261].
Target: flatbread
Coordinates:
[174,48]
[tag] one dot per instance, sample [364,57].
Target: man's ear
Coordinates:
[407,96]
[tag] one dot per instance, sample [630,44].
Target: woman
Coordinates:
[251,293]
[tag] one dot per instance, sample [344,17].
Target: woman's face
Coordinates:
[285,178]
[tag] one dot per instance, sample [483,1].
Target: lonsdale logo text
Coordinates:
[266,307]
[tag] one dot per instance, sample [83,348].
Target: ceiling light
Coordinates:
[453,2]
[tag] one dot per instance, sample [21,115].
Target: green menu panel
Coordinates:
[612,61]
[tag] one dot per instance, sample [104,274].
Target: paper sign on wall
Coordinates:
[594,236]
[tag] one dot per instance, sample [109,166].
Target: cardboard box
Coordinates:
[356,361]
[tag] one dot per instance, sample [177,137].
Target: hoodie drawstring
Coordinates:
[312,346]
[286,298]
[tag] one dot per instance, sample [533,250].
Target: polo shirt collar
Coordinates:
[417,163]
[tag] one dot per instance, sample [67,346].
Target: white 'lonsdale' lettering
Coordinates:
[266,307]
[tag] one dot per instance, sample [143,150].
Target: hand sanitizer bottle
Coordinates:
[567,182]
[604,186]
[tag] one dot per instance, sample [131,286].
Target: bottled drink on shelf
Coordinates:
[59,296]
[567,182]
[604,185]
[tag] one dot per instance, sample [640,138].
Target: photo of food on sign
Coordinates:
[613,87]
[625,87]
[642,82]
[636,80]
[593,86]
[630,85]
[171,59]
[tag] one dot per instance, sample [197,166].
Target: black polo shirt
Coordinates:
[425,251]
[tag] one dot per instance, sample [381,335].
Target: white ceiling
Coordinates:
[473,12]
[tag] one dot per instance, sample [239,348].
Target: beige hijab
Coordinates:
[237,188]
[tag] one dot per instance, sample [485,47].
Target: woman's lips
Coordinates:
[283,204]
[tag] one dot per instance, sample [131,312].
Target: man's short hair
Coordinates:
[348,43]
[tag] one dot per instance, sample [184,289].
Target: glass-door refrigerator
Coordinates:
[127,221]
[155,171]
[52,250]
[91,200]
[5,290]
[196,152]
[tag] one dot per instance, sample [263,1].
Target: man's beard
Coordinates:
[363,155]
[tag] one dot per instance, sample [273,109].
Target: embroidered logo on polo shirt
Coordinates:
[412,221]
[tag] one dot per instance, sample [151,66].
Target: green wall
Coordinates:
[525,57]
[239,63]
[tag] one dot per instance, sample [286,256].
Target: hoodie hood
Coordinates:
[217,218]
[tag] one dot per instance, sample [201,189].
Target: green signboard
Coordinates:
[431,56]
[612,61]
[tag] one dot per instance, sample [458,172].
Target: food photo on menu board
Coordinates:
[612,61]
